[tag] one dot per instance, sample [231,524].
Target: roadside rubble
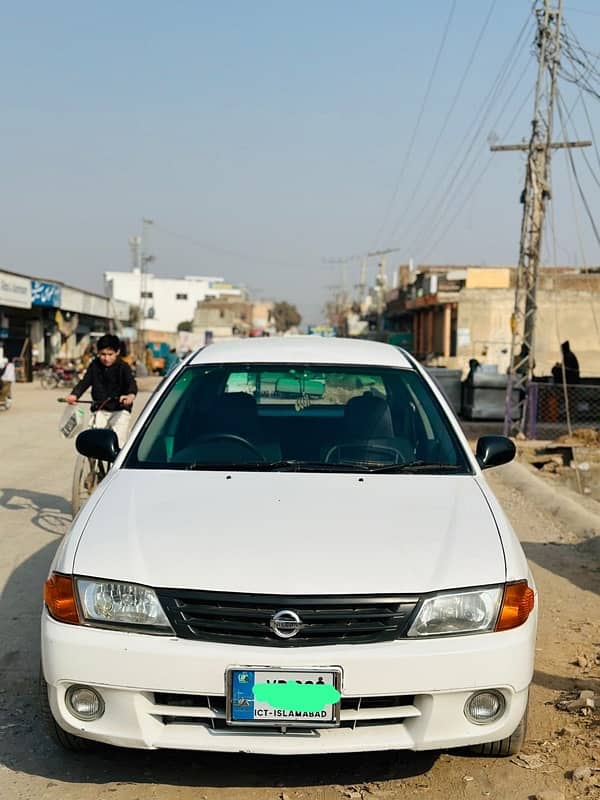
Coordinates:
[585,702]
[571,460]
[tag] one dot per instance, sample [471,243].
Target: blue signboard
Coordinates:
[322,330]
[45,294]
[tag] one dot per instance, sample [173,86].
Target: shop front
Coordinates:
[15,321]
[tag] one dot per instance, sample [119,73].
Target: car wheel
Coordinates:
[504,747]
[67,741]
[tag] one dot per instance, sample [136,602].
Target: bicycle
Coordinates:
[88,472]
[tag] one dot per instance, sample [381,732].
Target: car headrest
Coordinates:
[368,417]
[236,413]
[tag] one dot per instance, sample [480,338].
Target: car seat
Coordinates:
[368,430]
[234,414]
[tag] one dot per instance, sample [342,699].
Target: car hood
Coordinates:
[292,533]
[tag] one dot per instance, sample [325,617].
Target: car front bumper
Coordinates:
[427,682]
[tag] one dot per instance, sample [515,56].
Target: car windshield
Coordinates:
[294,417]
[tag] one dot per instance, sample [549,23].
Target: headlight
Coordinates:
[122,605]
[461,612]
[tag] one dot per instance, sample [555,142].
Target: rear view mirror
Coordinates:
[100,443]
[492,451]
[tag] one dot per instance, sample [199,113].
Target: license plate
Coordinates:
[307,698]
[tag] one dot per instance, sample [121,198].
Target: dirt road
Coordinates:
[34,512]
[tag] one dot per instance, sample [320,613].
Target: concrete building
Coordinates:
[222,318]
[262,318]
[227,317]
[42,320]
[450,314]
[165,302]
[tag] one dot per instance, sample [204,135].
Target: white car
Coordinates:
[295,552]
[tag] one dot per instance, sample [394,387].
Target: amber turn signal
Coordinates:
[517,605]
[59,597]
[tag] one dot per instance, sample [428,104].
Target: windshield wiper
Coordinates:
[293,465]
[275,466]
[432,468]
[284,465]
[248,466]
[320,466]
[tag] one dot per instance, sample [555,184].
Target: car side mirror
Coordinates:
[492,451]
[100,443]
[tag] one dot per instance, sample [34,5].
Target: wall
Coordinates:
[483,327]
[489,278]
[572,315]
[261,314]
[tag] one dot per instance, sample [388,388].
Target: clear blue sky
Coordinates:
[269,135]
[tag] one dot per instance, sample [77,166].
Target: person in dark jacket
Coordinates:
[113,388]
[571,366]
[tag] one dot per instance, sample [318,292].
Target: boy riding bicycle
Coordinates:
[113,388]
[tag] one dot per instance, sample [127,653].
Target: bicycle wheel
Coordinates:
[85,480]
[49,382]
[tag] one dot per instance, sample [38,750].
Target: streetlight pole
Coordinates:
[144,260]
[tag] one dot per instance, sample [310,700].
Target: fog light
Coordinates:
[84,703]
[484,707]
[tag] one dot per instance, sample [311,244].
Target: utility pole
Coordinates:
[381,283]
[343,299]
[145,259]
[362,282]
[534,197]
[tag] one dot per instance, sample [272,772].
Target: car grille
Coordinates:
[245,618]
[209,711]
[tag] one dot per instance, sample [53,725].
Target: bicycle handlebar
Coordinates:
[84,402]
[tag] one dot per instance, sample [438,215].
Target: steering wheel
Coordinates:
[230,437]
[366,447]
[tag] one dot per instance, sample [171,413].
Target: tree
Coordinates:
[286,316]
[185,325]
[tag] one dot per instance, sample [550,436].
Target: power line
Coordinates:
[559,338]
[447,201]
[413,138]
[477,181]
[587,116]
[582,69]
[575,175]
[584,11]
[577,224]
[256,259]
[453,102]
[482,114]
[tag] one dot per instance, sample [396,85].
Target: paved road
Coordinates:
[35,472]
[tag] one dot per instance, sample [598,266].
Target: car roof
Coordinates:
[302,350]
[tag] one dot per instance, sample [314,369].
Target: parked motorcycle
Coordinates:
[59,378]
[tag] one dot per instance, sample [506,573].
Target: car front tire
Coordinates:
[504,747]
[74,744]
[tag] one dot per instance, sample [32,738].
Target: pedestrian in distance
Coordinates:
[113,388]
[571,366]
[7,378]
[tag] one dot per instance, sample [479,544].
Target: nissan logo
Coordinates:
[285,624]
